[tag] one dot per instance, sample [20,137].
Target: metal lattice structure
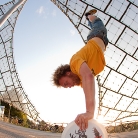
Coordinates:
[11,90]
[118,95]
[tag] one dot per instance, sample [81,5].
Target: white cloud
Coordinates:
[72,32]
[44,12]
[41,10]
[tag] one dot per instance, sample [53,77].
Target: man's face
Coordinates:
[69,80]
[66,82]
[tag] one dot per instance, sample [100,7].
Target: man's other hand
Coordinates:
[82,120]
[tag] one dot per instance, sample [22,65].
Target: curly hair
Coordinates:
[60,72]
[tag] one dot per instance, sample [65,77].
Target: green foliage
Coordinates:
[136,125]
[14,112]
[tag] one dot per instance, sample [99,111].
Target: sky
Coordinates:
[44,38]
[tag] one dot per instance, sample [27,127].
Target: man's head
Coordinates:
[64,77]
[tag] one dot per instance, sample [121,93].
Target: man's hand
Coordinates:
[82,120]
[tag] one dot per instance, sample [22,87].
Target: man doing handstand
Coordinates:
[88,62]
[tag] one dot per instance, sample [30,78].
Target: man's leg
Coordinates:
[97,27]
[91,17]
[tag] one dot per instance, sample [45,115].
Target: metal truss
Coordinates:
[11,90]
[118,83]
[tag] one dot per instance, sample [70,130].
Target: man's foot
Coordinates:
[93,11]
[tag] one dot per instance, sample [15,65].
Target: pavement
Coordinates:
[132,134]
[8,130]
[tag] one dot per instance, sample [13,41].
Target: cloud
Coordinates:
[72,32]
[41,10]
[44,12]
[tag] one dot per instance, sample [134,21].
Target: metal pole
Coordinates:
[10,11]
[9,111]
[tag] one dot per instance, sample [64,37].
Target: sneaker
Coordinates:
[93,11]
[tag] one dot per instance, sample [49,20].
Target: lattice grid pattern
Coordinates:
[118,95]
[118,83]
[11,90]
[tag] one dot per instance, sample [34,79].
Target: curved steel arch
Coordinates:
[118,83]
[11,90]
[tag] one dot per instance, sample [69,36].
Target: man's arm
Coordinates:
[88,84]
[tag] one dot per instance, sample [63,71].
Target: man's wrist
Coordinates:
[88,112]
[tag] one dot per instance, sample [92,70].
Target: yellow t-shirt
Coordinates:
[92,54]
